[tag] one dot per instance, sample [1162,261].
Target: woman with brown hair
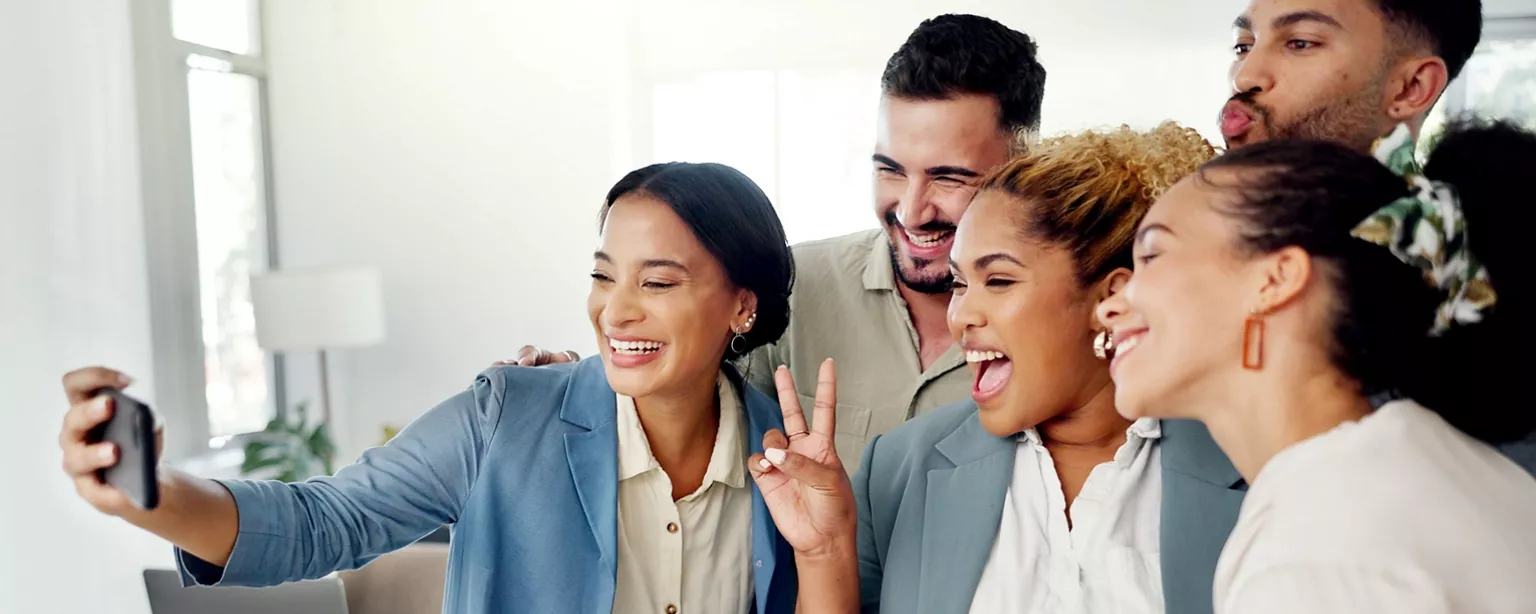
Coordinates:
[1036,496]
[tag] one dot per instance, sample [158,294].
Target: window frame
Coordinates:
[1494,29]
[170,223]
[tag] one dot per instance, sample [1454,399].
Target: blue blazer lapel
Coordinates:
[764,415]
[593,455]
[1202,495]
[963,508]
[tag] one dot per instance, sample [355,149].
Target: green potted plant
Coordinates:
[289,449]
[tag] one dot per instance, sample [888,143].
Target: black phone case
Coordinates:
[132,428]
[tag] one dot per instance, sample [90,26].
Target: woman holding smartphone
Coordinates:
[617,484]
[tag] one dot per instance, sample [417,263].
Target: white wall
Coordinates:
[72,292]
[463,147]
[1107,61]
[1509,8]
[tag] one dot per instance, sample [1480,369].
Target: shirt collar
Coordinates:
[634,450]
[1145,428]
[1142,429]
[878,274]
[727,463]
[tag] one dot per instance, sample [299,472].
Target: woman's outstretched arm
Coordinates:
[267,532]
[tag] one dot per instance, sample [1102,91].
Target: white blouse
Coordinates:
[1106,562]
[693,555]
[1399,512]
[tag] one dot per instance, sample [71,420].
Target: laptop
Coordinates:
[167,596]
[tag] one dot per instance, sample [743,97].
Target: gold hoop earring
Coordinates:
[1104,345]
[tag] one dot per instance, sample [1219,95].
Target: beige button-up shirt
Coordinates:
[693,555]
[845,306]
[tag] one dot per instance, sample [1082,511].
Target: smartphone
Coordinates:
[132,428]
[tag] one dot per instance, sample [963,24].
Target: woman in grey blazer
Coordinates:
[1037,495]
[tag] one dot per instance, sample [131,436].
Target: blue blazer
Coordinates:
[523,465]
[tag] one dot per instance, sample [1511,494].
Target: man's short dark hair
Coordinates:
[952,55]
[1450,29]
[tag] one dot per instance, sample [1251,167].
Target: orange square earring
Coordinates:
[1253,342]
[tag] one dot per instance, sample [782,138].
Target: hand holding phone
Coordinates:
[110,443]
[132,430]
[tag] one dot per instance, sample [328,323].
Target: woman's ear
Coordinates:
[1111,286]
[1283,276]
[746,311]
[1114,283]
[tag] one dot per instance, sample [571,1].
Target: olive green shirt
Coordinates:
[845,306]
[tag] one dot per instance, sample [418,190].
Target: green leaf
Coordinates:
[290,448]
[257,455]
[322,447]
[320,442]
[252,465]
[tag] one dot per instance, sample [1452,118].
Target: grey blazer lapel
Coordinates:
[1202,495]
[961,513]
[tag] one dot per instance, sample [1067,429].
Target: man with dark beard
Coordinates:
[959,98]
[1344,70]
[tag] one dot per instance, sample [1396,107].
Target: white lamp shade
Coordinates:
[318,309]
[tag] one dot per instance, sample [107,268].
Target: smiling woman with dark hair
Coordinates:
[617,484]
[1289,285]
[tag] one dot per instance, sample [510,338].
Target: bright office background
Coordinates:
[156,153]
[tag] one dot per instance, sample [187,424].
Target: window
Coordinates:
[229,25]
[804,137]
[229,194]
[201,91]
[1499,81]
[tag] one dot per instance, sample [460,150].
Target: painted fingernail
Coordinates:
[764,464]
[774,455]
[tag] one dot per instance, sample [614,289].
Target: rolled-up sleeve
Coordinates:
[392,496]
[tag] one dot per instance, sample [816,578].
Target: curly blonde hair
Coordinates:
[1088,191]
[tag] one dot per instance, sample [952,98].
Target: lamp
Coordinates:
[318,309]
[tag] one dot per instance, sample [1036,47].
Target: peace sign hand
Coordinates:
[802,481]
